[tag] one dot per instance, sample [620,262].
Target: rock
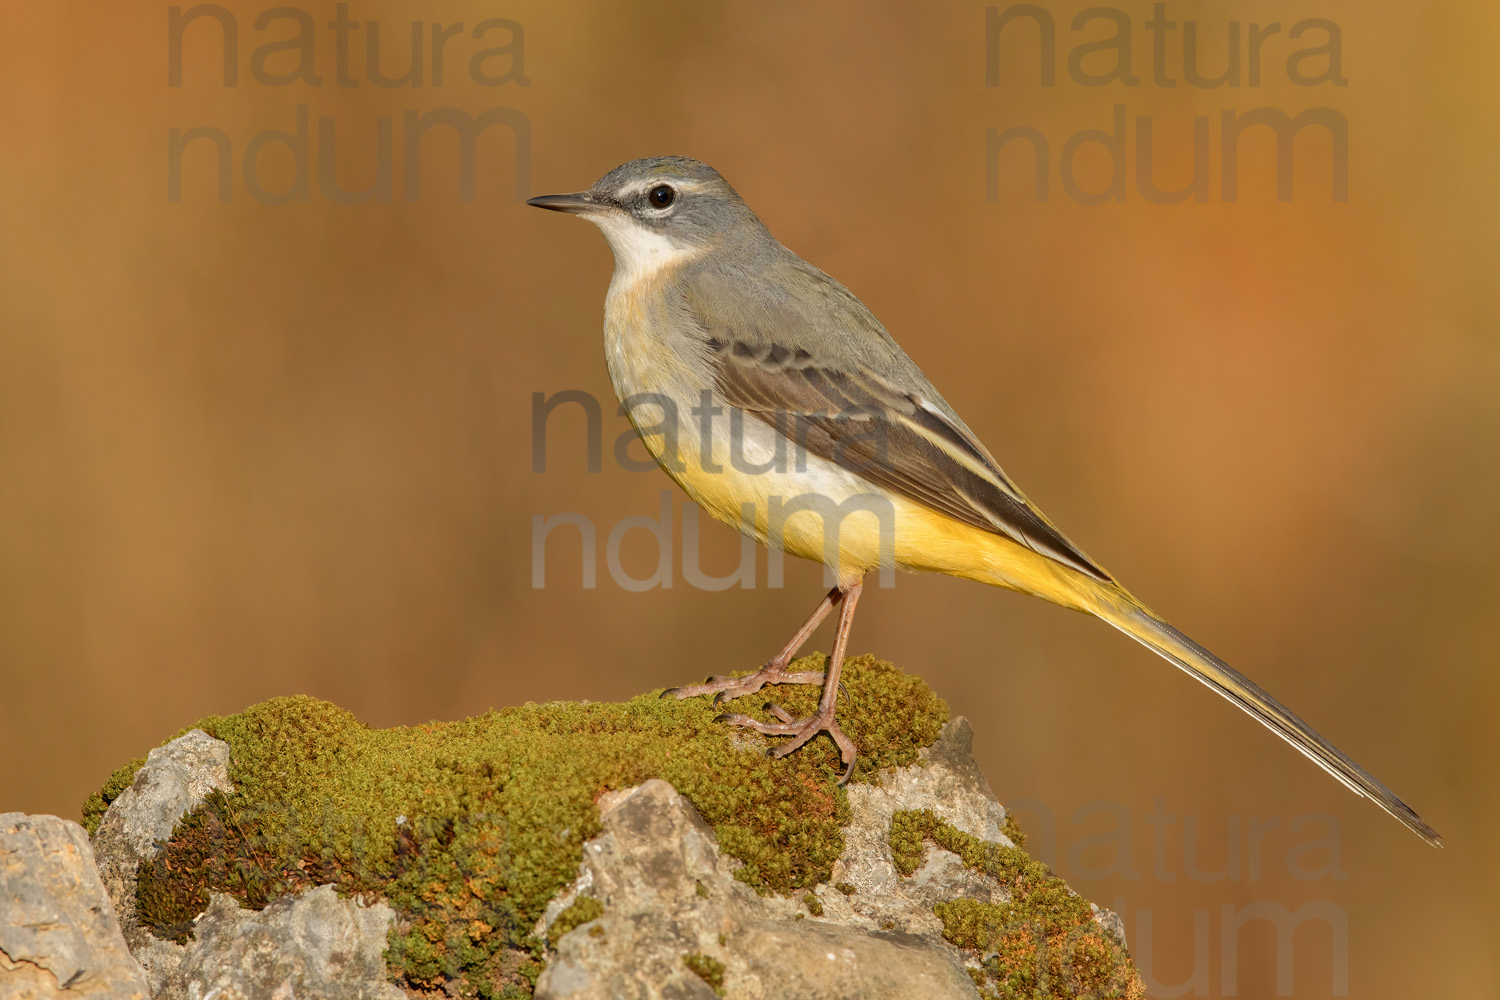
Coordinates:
[669,894]
[58,932]
[174,779]
[656,910]
[315,946]
[953,787]
[677,924]
[307,947]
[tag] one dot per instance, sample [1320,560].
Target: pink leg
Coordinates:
[823,720]
[774,671]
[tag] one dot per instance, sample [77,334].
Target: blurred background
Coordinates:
[252,448]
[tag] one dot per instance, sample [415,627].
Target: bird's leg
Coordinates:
[774,671]
[823,720]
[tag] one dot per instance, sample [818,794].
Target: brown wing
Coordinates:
[890,436]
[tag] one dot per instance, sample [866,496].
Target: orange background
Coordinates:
[249,450]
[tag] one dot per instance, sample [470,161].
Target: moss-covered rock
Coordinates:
[98,802]
[1043,942]
[581,911]
[469,828]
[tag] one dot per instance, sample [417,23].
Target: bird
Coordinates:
[782,407]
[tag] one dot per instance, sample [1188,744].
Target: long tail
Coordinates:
[1199,663]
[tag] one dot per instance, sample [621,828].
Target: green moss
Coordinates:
[469,828]
[584,909]
[1012,829]
[1043,942]
[908,839]
[706,968]
[847,888]
[95,805]
[813,903]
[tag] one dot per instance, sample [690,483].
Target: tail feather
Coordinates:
[1204,666]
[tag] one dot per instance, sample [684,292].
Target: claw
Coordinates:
[726,688]
[801,732]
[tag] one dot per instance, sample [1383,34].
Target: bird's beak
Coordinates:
[575,204]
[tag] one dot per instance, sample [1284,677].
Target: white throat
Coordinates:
[639,252]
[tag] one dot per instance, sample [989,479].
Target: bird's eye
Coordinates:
[662,196]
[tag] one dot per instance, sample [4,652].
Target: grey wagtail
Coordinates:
[771,395]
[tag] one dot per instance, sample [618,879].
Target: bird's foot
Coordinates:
[724,688]
[800,731]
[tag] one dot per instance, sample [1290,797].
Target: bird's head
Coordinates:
[662,210]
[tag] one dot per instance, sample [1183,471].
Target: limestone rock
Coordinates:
[669,918]
[669,894]
[952,786]
[315,946]
[174,779]
[58,933]
[676,924]
[307,947]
